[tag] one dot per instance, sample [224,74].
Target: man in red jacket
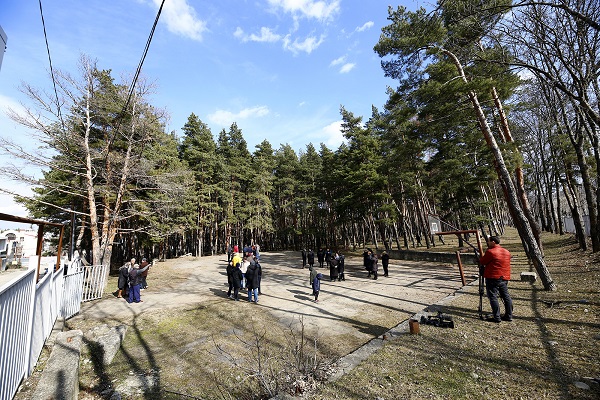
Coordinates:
[497,274]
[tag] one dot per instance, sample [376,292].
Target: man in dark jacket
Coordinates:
[341,267]
[321,257]
[123,283]
[333,265]
[230,269]
[253,280]
[303,258]
[311,258]
[237,277]
[385,261]
[374,267]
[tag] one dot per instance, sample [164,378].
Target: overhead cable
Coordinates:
[51,69]
[139,68]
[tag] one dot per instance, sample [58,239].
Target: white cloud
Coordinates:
[347,68]
[366,26]
[226,118]
[308,45]
[337,61]
[321,10]
[8,102]
[181,19]
[333,134]
[266,35]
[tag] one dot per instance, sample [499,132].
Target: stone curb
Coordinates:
[60,378]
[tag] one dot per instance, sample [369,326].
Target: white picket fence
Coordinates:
[28,312]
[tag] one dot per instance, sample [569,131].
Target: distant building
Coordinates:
[3,40]
[18,242]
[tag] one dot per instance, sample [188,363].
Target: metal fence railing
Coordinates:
[16,313]
[72,295]
[94,280]
[28,312]
[46,307]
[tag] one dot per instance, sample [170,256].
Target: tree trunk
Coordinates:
[520,180]
[512,196]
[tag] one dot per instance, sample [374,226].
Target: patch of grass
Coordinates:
[221,350]
[204,352]
[552,343]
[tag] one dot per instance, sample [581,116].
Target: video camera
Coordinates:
[440,320]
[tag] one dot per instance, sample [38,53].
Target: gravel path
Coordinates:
[354,306]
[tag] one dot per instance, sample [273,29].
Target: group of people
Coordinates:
[246,249]
[371,263]
[132,279]
[244,273]
[334,260]
[336,263]
[324,257]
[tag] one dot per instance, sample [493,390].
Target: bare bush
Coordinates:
[263,367]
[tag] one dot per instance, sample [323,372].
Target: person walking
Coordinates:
[367,261]
[303,258]
[316,286]
[385,261]
[313,274]
[229,253]
[497,274]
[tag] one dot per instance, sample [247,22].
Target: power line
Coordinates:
[51,69]
[139,68]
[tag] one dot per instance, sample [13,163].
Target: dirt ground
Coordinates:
[348,316]
[357,306]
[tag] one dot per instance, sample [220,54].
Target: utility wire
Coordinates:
[139,68]
[51,69]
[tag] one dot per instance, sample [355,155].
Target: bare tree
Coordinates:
[93,154]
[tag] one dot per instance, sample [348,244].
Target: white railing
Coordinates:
[48,294]
[94,280]
[16,312]
[72,295]
[28,312]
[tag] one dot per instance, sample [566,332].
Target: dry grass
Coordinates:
[552,343]
[209,351]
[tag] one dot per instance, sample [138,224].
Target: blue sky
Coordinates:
[280,69]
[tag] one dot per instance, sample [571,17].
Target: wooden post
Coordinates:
[460,268]
[38,250]
[414,326]
[59,248]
